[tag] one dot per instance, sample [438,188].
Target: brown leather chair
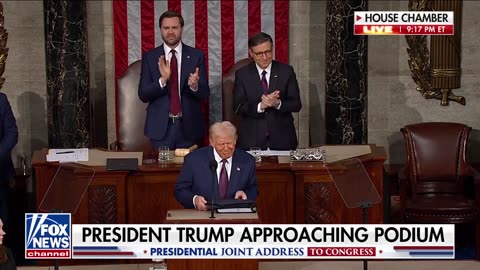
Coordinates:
[437,185]
[131,113]
[228,112]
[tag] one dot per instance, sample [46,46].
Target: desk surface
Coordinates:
[377,153]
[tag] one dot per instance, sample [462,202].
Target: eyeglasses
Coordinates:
[264,54]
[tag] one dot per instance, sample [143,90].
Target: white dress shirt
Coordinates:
[168,55]
[268,69]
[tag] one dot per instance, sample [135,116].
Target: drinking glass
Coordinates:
[163,153]
[257,153]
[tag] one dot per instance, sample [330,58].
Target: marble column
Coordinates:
[346,75]
[68,111]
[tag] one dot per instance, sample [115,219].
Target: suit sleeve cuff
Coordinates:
[193,201]
[259,108]
[161,84]
[279,105]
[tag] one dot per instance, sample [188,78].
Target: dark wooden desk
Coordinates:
[288,192]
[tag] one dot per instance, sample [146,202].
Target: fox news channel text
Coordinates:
[403,23]
[48,236]
[53,236]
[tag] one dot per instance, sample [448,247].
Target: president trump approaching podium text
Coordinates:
[234,171]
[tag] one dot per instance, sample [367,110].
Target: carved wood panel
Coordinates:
[102,205]
[318,208]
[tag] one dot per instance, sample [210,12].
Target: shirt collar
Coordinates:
[268,69]
[218,159]
[178,49]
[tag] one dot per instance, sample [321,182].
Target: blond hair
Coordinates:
[224,127]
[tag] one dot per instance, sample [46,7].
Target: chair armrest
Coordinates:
[476,180]
[404,186]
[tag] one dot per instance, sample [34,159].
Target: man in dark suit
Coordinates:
[173,81]
[265,95]
[235,171]
[8,140]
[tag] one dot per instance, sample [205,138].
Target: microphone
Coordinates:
[213,167]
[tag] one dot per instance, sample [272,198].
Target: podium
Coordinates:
[187,216]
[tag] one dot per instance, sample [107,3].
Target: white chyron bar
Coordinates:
[296,241]
[404,23]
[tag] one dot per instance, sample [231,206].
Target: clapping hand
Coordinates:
[270,100]
[164,68]
[193,79]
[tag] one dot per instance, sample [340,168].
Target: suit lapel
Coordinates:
[186,65]
[272,85]
[257,81]
[235,174]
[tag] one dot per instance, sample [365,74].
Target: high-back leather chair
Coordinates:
[228,112]
[131,113]
[438,185]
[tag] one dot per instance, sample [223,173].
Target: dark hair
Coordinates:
[170,14]
[258,39]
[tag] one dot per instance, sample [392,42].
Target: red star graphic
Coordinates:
[380,251]
[145,252]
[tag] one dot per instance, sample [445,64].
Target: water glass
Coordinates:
[257,153]
[163,154]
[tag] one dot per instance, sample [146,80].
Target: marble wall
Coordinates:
[69,112]
[101,68]
[307,56]
[25,73]
[393,101]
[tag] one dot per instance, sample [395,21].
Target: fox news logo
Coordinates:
[47,236]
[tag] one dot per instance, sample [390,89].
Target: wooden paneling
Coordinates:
[288,192]
[150,196]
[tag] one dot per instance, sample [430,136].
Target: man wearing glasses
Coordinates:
[265,95]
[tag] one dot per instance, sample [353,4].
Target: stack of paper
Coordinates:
[68,155]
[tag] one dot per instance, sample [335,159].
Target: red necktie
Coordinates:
[264,82]
[223,183]
[175,108]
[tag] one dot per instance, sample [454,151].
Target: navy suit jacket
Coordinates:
[8,139]
[158,108]
[196,177]
[248,91]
